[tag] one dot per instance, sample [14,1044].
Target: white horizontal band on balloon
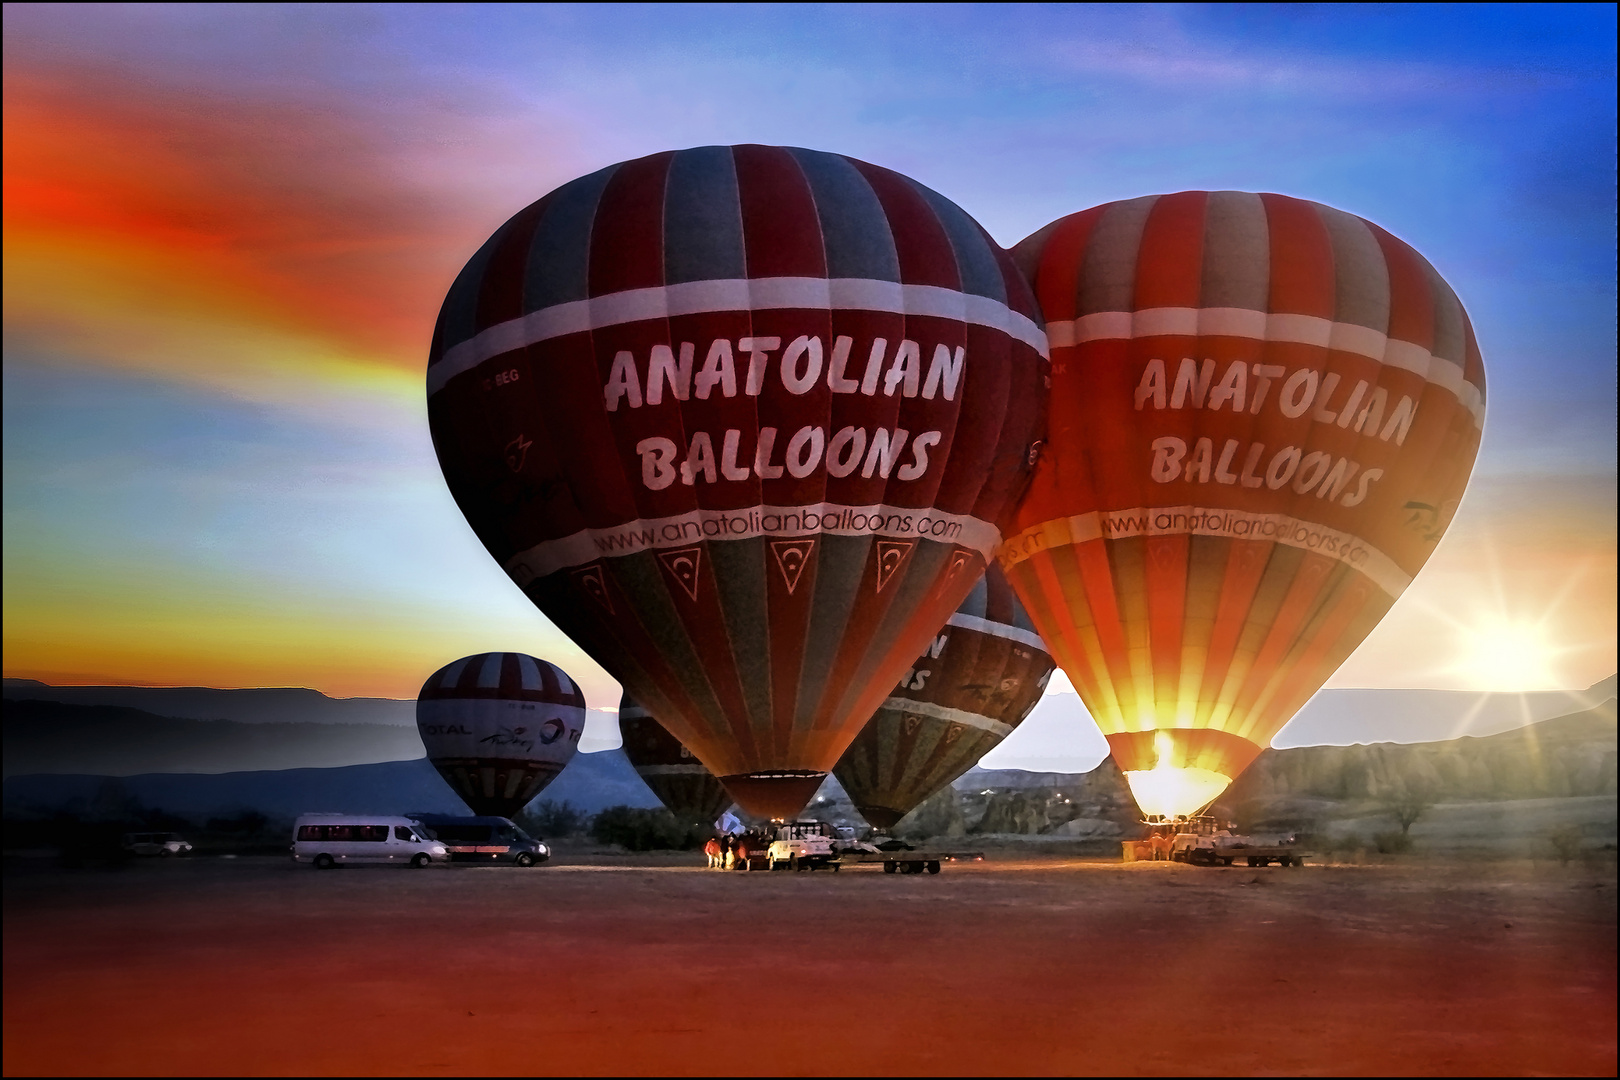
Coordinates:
[695,526]
[1209,521]
[732,294]
[671,770]
[489,727]
[1263,326]
[995,629]
[944,712]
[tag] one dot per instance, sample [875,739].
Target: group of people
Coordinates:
[730,850]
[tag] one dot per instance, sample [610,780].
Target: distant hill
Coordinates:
[285,767]
[1420,716]
[54,737]
[266,706]
[590,781]
[1568,756]
[1058,736]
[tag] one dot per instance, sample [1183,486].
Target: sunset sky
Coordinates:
[228,231]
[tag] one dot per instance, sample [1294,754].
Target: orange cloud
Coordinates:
[125,200]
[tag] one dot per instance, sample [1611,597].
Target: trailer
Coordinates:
[899,857]
[1263,854]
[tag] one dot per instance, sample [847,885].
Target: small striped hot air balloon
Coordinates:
[743,421]
[672,771]
[499,727]
[1264,412]
[981,675]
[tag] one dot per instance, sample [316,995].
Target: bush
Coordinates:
[550,818]
[245,823]
[647,830]
[1392,843]
[1565,841]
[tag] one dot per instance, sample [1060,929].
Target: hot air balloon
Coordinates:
[979,677]
[499,727]
[742,422]
[1264,412]
[672,771]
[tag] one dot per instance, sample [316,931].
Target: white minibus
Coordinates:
[329,840]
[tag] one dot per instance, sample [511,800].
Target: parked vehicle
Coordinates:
[484,839]
[803,845]
[1204,841]
[329,840]
[161,844]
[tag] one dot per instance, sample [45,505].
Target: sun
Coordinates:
[1508,654]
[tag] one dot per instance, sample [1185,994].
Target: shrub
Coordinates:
[1392,843]
[550,818]
[639,829]
[1566,842]
[246,822]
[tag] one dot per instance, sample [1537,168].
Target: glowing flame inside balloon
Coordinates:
[1170,791]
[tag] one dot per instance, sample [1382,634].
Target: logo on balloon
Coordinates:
[517,451]
[890,554]
[591,580]
[683,565]
[791,555]
[551,731]
[514,737]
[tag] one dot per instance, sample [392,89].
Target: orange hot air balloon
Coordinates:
[1263,414]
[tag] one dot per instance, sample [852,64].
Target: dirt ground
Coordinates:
[605,965]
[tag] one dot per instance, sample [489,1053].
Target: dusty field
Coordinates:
[652,965]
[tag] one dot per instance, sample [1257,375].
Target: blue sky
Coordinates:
[216,459]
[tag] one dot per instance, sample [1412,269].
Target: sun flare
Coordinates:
[1508,655]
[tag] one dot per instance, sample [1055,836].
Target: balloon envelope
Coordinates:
[1264,412]
[743,422]
[499,727]
[981,675]
[671,770]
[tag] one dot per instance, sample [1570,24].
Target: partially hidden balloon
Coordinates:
[1264,412]
[671,770]
[978,679]
[499,727]
[743,422]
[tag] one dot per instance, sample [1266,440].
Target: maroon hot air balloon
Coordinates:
[671,770]
[742,421]
[981,675]
[499,727]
